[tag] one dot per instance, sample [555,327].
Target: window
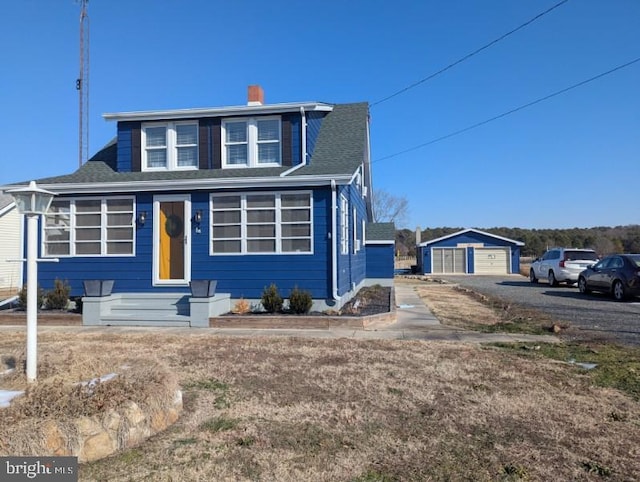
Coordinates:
[344,225]
[89,227]
[253,142]
[170,146]
[258,223]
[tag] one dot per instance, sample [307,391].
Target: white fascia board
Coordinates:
[7,208]
[242,110]
[194,184]
[469,230]
[355,174]
[380,241]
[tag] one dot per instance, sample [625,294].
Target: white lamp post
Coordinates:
[32,202]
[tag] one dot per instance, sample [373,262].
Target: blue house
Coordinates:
[469,251]
[247,196]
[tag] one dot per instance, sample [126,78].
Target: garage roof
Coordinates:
[472,230]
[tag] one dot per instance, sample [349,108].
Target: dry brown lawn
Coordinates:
[345,410]
[454,307]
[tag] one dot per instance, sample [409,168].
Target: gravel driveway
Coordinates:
[596,313]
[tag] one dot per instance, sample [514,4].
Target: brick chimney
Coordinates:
[256,95]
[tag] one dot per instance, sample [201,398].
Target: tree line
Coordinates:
[604,240]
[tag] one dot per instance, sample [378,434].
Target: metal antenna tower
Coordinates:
[82,85]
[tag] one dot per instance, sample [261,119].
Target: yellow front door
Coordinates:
[171,240]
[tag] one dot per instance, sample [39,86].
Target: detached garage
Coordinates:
[469,251]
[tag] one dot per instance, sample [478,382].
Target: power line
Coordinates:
[512,111]
[468,56]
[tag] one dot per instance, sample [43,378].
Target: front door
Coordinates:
[172,243]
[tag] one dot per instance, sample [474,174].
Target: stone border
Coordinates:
[97,437]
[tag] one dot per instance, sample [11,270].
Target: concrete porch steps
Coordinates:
[124,319]
[153,309]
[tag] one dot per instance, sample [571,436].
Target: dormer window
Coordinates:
[170,146]
[251,142]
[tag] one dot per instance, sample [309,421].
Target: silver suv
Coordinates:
[561,265]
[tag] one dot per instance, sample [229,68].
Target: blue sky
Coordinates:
[571,161]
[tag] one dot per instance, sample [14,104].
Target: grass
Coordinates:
[219,424]
[379,411]
[617,366]
[464,308]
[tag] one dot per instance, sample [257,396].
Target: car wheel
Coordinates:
[532,276]
[618,290]
[552,279]
[582,286]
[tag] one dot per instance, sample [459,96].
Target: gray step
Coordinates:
[139,320]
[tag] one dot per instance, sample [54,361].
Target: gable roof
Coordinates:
[472,230]
[340,149]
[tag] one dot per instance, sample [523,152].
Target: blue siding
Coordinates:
[240,275]
[296,149]
[380,260]
[352,266]
[124,146]
[314,122]
[471,259]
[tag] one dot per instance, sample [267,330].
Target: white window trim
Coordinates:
[103,229]
[356,243]
[278,224]
[344,225]
[171,146]
[252,142]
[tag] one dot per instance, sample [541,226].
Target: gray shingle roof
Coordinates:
[5,200]
[341,144]
[381,232]
[340,149]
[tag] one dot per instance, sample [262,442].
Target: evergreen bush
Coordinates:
[300,301]
[22,298]
[271,299]
[58,297]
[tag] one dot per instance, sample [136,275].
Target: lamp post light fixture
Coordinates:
[32,202]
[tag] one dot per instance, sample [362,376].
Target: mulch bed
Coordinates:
[46,318]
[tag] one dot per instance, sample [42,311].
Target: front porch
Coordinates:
[153,309]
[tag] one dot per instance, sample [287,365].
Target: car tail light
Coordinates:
[562,263]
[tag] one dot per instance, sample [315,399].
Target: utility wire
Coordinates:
[504,114]
[468,56]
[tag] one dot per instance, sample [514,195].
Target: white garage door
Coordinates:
[448,260]
[491,261]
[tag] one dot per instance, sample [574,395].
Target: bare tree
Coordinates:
[388,208]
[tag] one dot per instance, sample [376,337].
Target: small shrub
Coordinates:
[22,298]
[300,302]
[271,299]
[241,307]
[58,297]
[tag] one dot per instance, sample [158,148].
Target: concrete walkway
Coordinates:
[414,322]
